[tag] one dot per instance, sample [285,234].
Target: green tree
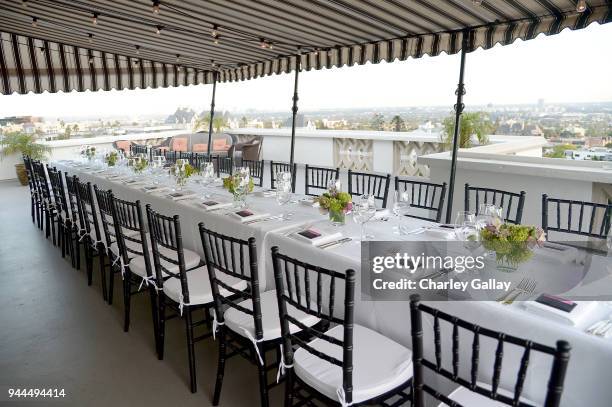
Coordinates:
[244,122]
[75,128]
[472,124]
[377,122]
[202,123]
[22,143]
[397,123]
[558,151]
[609,145]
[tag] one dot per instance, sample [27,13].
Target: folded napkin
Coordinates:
[246,215]
[266,193]
[578,316]
[381,214]
[317,237]
[179,195]
[308,201]
[154,188]
[211,205]
[134,181]
[440,233]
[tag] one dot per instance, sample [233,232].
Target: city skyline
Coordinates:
[568,69]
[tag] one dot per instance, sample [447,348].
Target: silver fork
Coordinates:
[522,284]
[530,287]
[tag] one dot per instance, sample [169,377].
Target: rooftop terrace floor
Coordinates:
[57,332]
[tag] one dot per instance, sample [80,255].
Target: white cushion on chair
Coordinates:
[468,398]
[379,364]
[237,320]
[137,264]
[198,283]
[131,244]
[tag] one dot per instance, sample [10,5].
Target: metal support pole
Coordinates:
[294,109]
[458,110]
[212,113]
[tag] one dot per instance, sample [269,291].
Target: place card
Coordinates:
[180,195]
[317,237]
[154,188]
[246,215]
[211,205]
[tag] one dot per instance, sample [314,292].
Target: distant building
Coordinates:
[595,153]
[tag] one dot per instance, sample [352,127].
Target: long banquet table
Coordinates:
[588,378]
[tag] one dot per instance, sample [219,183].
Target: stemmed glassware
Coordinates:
[401,207]
[363,210]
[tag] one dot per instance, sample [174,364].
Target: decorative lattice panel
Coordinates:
[354,154]
[405,155]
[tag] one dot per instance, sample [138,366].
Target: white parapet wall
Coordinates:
[66,149]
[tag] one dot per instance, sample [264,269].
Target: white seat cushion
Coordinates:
[468,398]
[130,244]
[137,264]
[198,283]
[379,364]
[238,321]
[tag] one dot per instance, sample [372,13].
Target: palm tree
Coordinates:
[378,122]
[472,124]
[397,123]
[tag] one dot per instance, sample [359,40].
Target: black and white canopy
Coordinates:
[53,45]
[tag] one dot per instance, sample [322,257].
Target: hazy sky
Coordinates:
[573,66]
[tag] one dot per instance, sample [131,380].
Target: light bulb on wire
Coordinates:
[90,35]
[156,7]
[178,58]
[94,20]
[137,49]
[477,2]
[215,31]
[34,22]
[581,6]
[24,3]
[158,29]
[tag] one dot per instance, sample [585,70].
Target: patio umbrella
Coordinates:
[53,45]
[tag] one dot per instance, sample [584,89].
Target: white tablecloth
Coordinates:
[590,369]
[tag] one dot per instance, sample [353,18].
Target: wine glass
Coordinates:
[466,226]
[283,196]
[401,206]
[363,210]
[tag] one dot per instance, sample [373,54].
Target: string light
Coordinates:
[214,31]
[34,22]
[137,49]
[262,43]
[94,20]
[477,2]
[158,29]
[581,6]
[178,58]
[156,7]
[90,35]
[24,3]
[216,39]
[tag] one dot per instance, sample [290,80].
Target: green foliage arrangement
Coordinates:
[111,158]
[231,184]
[335,201]
[89,152]
[512,244]
[472,123]
[22,143]
[140,164]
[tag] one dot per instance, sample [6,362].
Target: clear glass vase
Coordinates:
[337,218]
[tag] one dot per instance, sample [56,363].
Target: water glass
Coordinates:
[401,208]
[363,210]
[466,226]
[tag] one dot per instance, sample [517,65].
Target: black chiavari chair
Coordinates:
[511,202]
[31,184]
[48,211]
[471,392]
[139,149]
[92,236]
[276,167]
[186,155]
[318,178]
[64,217]
[329,367]
[109,246]
[423,195]
[256,169]
[576,217]
[225,166]
[360,183]
[185,287]
[78,223]
[247,319]
[135,259]
[198,158]
[171,157]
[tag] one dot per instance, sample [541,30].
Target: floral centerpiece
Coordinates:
[111,158]
[182,170]
[512,244]
[336,203]
[140,164]
[88,152]
[239,185]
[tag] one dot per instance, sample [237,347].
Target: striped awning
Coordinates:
[64,45]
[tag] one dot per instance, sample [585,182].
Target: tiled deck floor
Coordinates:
[57,332]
